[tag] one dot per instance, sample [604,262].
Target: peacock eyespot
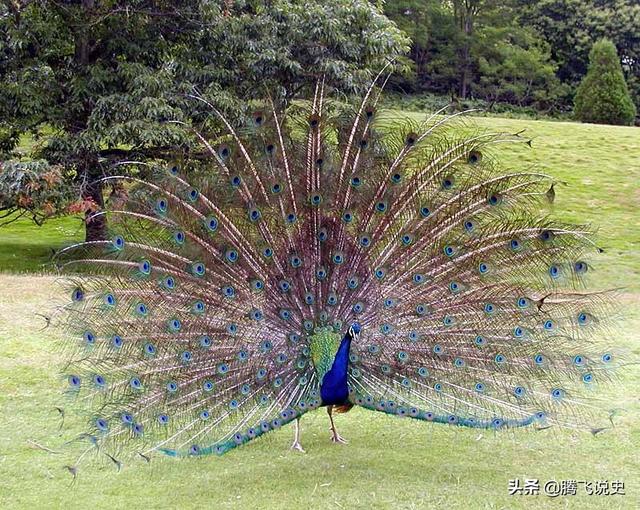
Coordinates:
[474,157]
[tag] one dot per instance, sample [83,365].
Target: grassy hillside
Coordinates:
[389,463]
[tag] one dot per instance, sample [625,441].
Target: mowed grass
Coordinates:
[390,462]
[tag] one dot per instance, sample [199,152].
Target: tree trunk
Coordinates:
[95,226]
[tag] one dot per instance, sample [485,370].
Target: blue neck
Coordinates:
[334,389]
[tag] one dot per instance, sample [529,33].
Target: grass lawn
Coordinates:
[389,463]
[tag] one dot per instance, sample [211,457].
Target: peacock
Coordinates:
[328,255]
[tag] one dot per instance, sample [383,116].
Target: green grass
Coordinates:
[27,247]
[389,463]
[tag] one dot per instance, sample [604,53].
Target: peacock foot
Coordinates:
[297,446]
[337,438]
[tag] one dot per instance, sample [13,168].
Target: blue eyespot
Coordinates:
[515,245]
[228,292]
[323,234]
[407,239]
[295,261]
[419,278]
[547,235]
[494,199]
[172,387]
[500,359]
[549,325]
[205,342]
[557,393]
[358,307]
[118,242]
[231,255]
[149,349]
[198,269]
[276,188]
[207,386]
[338,258]
[380,273]
[193,194]
[284,286]
[421,309]
[554,272]
[523,302]
[161,206]
[257,285]
[607,358]
[138,429]
[254,214]
[236,181]
[519,391]
[74,381]
[580,267]
[483,268]
[479,340]
[489,308]
[291,218]
[437,349]
[144,267]
[480,387]
[163,419]
[267,252]
[449,251]
[77,295]
[356,182]
[116,341]
[347,217]
[448,182]
[101,425]
[381,206]
[285,314]
[396,178]
[539,359]
[315,199]
[89,337]
[425,212]
[211,223]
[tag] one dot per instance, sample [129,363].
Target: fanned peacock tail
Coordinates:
[218,308]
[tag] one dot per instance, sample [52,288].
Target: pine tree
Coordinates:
[603,96]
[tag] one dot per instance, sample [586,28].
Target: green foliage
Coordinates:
[571,27]
[35,189]
[110,80]
[603,97]
[517,69]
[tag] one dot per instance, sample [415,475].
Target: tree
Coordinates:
[98,81]
[571,27]
[603,96]
[515,67]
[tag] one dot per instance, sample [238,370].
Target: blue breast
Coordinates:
[334,389]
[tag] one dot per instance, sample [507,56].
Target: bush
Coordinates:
[603,96]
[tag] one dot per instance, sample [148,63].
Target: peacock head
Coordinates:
[354,331]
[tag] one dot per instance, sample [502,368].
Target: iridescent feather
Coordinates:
[215,311]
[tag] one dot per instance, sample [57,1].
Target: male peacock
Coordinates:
[313,261]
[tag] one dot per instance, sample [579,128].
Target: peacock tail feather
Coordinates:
[216,309]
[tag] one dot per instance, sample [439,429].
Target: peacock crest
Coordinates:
[326,255]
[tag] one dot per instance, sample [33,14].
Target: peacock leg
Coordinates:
[296,439]
[335,437]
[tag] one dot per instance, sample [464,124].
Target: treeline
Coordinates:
[530,53]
